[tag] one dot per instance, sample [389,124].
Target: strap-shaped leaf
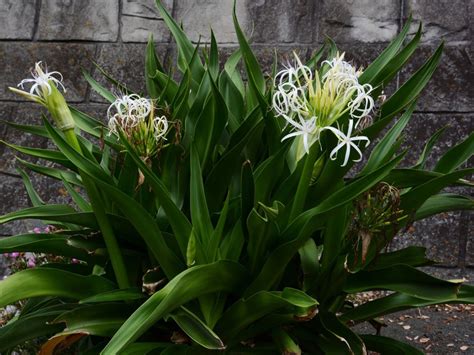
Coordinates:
[42,243]
[456,156]
[306,223]
[384,58]
[185,47]
[383,151]
[152,64]
[246,311]
[412,87]
[196,329]
[444,202]
[54,173]
[406,177]
[199,211]
[50,282]
[414,198]
[98,88]
[412,256]
[146,226]
[31,326]
[178,221]
[188,285]
[420,164]
[338,331]
[399,301]
[82,163]
[389,346]
[402,278]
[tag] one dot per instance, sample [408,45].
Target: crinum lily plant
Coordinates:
[217,214]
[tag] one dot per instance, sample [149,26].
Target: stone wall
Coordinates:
[69,35]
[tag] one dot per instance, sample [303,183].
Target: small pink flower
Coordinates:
[14,255]
[37,230]
[47,229]
[31,263]
[74,261]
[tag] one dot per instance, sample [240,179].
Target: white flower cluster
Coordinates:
[131,112]
[312,102]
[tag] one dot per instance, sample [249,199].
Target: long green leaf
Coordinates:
[188,285]
[50,282]
[412,87]
[178,221]
[402,278]
[196,329]
[456,156]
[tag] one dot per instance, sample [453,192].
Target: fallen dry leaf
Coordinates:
[424,340]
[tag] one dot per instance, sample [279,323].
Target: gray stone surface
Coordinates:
[282,21]
[25,113]
[92,20]
[449,20]
[137,29]
[450,88]
[144,8]
[17,59]
[124,62]
[17,19]
[15,197]
[359,20]
[201,15]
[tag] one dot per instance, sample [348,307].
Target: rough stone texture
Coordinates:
[17,59]
[14,194]
[360,20]
[125,63]
[201,15]
[143,8]
[23,114]
[282,21]
[87,20]
[17,19]
[448,20]
[137,29]
[450,88]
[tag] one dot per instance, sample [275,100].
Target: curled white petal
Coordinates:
[41,81]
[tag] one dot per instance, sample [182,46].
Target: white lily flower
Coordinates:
[347,141]
[309,102]
[42,81]
[305,128]
[134,116]
[160,125]
[130,110]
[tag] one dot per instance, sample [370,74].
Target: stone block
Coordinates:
[438,234]
[17,59]
[137,29]
[125,63]
[144,8]
[448,20]
[282,21]
[450,88]
[13,191]
[17,18]
[362,20]
[24,113]
[199,16]
[85,20]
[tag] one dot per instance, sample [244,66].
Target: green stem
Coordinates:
[113,248]
[302,190]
